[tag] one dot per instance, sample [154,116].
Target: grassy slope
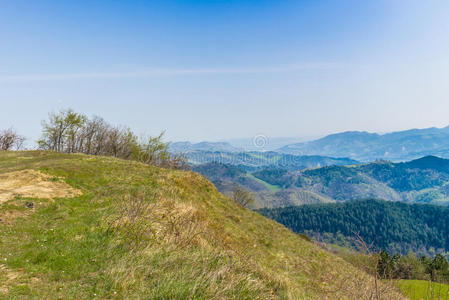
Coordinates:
[421,289]
[144,232]
[270,187]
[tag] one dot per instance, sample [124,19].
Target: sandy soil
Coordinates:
[33,184]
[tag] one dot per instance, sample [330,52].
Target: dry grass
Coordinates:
[6,277]
[146,233]
[33,184]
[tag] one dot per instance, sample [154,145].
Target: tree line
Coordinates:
[410,266]
[67,131]
[393,226]
[388,267]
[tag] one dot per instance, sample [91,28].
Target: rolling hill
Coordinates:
[267,193]
[122,229]
[425,180]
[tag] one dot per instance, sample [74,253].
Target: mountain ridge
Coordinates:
[366,146]
[185,147]
[257,159]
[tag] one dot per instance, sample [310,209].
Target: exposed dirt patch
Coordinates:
[8,217]
[9,277]
[33,184]
[6,275]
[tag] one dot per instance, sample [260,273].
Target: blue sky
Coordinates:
[211,70]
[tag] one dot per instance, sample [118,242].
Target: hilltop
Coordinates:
[124,229]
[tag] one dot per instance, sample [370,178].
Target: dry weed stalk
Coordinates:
[381,290]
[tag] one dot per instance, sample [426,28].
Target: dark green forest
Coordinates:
[393,226]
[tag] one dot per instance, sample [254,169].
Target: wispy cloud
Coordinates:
[164,72]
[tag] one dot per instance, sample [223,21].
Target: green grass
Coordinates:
[271,187]
[143,232]
[421,289]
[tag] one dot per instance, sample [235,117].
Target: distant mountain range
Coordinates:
[185,147]
[256,160]
[329,169]
[361,146]
[258,143]
[364,146]
[262,143]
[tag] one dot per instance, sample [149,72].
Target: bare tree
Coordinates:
[95,133]
[70,132]
[10,140]
[242,196]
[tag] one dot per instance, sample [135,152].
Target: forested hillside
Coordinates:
[425,180]
[226,177]
[394,226]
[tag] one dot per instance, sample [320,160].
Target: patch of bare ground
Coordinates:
[6,275]
[33,184]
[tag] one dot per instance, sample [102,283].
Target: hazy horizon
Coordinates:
[246,143]
[210,71]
